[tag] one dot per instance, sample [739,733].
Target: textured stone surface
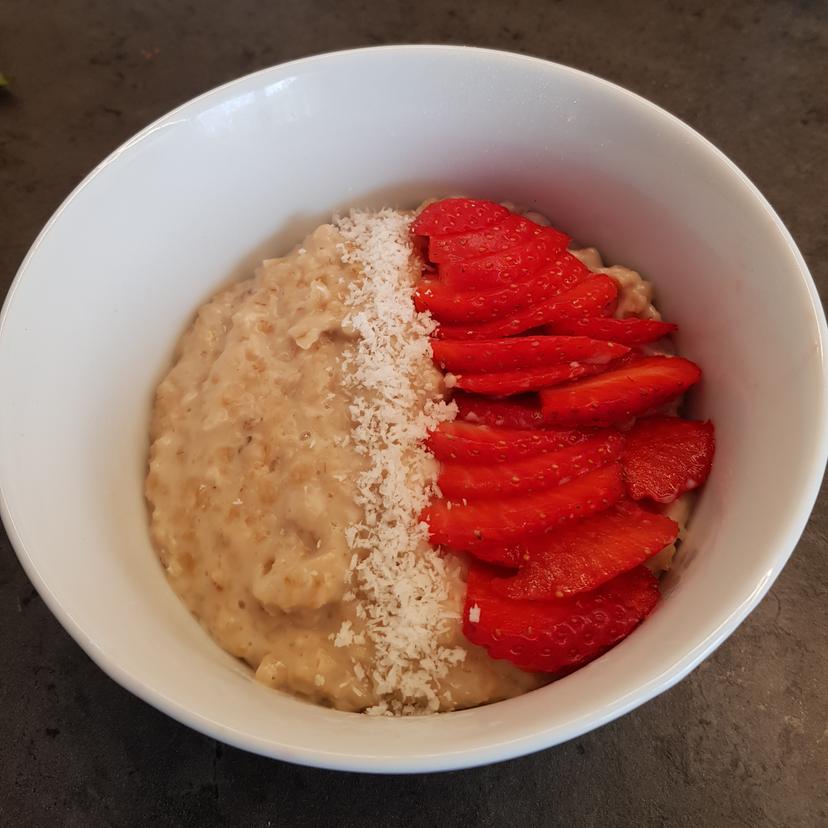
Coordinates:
[743,741]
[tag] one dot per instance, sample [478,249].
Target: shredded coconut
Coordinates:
[402,581]
[345,636]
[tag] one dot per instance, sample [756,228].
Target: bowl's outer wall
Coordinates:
[241,173]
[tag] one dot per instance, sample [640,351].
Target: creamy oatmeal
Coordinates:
[635,295]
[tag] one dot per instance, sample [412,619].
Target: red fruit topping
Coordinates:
[510,232]
[581,557]
[620,393]
[506,555]
[462,442]
[449,305]
[459,525]
[555,636]
[632,331]
[507,383]
[536,484]
[531,474]
[517,412]
[522,352]
[595,296]
[457,215]
[500,269]
[667,456]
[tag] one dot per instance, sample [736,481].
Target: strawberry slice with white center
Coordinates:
[532,474]
[620,393]
[457,215]
[461,525]
[555,636]
[667,456]
[581,557]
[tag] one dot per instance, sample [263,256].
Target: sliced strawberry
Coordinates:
[504,555]
[461,442]
[457,215]
[516,264]
[509,354]
[581,557]
[595,296]
[630,331]
[508,383]
[555,636]
[450,305]
[667,456]
[459,525]
[516,413]
[620,393]
[510,232]
[532,474]
[512,555]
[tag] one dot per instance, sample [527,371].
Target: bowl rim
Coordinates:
[446,759]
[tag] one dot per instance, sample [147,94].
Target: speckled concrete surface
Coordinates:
[743,741]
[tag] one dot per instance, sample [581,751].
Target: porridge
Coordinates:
[301,503]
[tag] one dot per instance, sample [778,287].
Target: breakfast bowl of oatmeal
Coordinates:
[376,447]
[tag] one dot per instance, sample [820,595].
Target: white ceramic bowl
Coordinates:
[241,172]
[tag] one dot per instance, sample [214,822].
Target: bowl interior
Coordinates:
[241,173]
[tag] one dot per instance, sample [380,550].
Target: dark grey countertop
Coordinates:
[743,741]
